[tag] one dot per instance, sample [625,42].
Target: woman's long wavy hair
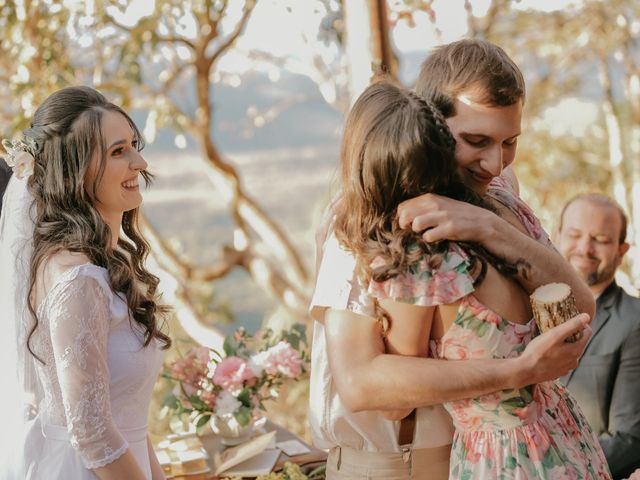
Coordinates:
[395,147]
[67,132]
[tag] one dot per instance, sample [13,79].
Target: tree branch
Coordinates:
[249,6]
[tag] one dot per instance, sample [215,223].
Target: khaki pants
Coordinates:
[411,464]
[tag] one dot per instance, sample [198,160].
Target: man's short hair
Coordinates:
[470,65]
[601,200]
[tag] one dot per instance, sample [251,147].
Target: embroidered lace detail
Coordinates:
[72,341]
[111,457]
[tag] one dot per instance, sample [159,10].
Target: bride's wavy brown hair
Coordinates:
[67,131]
[395,147]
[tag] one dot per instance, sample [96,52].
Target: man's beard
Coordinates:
[592,279]
[600,276]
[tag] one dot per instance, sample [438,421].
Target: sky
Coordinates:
[295,48]
[304,18]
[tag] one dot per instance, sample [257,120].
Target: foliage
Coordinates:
[589,55]
[290,471]
[404,10]
[581,125]
[251,371]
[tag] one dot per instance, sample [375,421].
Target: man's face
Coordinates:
[590,240]
[486,139]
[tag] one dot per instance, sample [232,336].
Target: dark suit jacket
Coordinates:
[606,383]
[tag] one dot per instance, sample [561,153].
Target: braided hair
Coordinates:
[397,146]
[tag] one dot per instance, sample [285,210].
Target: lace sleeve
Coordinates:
[79,323]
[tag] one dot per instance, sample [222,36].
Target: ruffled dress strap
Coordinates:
[427,283]
[502,191]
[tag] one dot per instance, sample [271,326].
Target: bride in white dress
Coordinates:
[89,345]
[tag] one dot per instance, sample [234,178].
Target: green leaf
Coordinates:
[245,397]
[513,403]
[243,416]
[229,347]
[317,473]
[197,403]
[171,401]
[203,420]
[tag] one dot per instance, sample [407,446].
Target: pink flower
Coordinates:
[202,354]
[189,389]
[282,358]
[231,373]
[185,403]
[209,398]
[189,370]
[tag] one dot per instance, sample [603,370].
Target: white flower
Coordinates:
[256,363]
[18,156]
[23,164]
[226,404]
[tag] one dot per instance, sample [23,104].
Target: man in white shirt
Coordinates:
[481,93]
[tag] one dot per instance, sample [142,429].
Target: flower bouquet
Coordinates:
[230,389]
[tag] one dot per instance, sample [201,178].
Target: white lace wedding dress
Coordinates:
[97,379]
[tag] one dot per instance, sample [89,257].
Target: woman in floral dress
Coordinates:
[397,147]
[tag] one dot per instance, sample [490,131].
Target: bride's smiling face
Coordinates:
[117,187]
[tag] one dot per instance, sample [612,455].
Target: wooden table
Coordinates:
[212,445]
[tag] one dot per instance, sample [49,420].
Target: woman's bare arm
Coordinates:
[444,218]
[409,329]
[367,378]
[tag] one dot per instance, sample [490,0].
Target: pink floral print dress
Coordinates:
[535,432]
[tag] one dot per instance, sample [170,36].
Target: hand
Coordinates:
[442,218]
[549,356]
[635,475]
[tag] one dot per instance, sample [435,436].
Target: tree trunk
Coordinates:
[384,59]
[368,44]
[615,136]
[173,274]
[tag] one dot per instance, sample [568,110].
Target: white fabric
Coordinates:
[332,424]
[90,399]
[17,371]
[97,380]
[337,285]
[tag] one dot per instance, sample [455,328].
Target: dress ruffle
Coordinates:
[426,286]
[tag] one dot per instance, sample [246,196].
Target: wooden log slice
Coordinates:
[552,305]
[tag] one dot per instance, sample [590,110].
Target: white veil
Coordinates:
[17,365]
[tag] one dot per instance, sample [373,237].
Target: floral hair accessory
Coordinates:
[20,156]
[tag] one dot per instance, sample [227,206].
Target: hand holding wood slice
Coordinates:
[552,305]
